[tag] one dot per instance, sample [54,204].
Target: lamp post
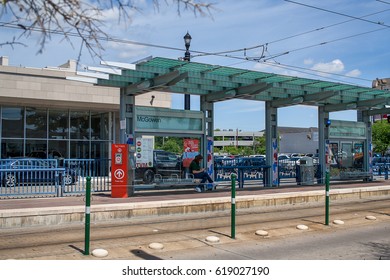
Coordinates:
[187,57]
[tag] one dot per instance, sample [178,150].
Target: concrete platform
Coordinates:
[17,213]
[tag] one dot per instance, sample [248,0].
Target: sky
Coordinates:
[343,41]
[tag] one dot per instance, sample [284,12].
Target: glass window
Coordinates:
[11,148]
[58,124]
[12,122]
[36,123]
[79,125]
[99,126]
[99,149]
[58,149]
[79,149]
[36,148]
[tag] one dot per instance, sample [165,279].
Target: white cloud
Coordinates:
[354,73]
[127,50]
[334,67]
[308,61]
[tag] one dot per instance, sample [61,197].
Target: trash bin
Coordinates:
[306,171]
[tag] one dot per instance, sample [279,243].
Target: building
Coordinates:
[236,138]
[298,140]
[291,139]
[42,110]
[383,84]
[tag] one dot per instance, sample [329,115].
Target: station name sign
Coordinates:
[151,119]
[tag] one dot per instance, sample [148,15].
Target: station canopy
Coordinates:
[219,83]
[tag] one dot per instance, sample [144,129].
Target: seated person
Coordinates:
[200,173]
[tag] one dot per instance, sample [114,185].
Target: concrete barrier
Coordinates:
[17,218]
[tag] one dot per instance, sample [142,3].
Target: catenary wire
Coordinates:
[338,13]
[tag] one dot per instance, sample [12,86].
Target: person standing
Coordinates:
[200,173]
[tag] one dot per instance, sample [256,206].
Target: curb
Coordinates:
[19,218]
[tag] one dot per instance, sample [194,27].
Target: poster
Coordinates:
[210,160]
[275,170]
[191,149]
[144,152]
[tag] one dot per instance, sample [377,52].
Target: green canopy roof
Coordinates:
[218,83]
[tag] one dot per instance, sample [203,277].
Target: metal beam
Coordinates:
[239,92]
[340,107]
[320,96]
[373,102]
[165,80]
[378,111]
[289,101]
[362,104]
[221,95]
[251,90]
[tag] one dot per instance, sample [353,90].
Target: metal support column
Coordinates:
[127,130]
[208,125]
[367,147]
[272,144]
[323,135]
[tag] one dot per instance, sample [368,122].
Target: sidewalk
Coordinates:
[64,210]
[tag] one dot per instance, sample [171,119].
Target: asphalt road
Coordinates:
[184,236]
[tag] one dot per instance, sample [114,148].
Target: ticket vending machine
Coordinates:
[119,170]
[307,171]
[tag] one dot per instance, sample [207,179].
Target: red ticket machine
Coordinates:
[119,181]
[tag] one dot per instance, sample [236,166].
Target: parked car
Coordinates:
[53,154]
[164,163]
[31,170]
[43,155]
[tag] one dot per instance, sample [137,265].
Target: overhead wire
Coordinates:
[226,53]
[338,13]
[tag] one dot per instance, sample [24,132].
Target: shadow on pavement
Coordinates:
[143,255]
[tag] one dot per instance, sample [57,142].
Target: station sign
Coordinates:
[119,170]
[163,120]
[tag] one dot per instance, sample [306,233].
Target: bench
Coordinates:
[356,175]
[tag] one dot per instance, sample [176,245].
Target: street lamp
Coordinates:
[187,43]
[187,57]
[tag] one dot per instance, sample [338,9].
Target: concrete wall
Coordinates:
[48,87]
[302,142]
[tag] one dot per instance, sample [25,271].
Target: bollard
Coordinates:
[327,198]
[87,215]
[233,208]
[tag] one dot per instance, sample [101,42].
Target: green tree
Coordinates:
[381,136]
[171,145]
[259,145]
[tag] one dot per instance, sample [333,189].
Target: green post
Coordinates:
[327,198]
[87,215]
[233,209]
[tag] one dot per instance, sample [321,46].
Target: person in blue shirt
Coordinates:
[200,173]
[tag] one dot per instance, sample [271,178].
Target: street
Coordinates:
[184,236]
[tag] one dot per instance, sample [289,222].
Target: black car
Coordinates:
[165,164]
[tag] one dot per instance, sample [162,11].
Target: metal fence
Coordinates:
[97,169]
[26,177]
[31,177]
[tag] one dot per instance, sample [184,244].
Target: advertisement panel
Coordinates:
[210,160]
[275,169]
[191,149]
[119,167]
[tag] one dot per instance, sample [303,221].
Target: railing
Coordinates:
[25,177]
[246,169]
[31,177]
[97,169]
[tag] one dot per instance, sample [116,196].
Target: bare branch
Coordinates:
[79,18]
